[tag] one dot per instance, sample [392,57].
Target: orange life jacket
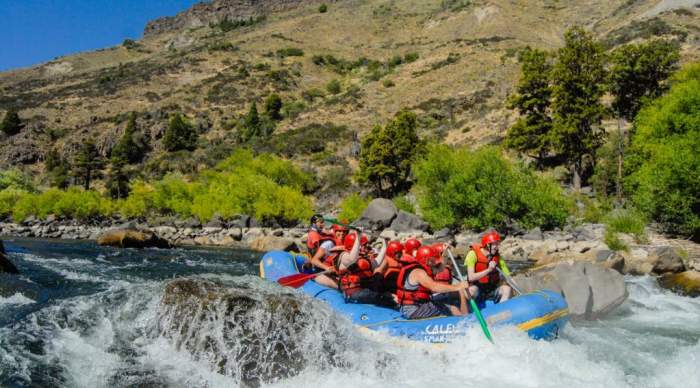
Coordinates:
[332,256]
[482,263]
[417,296]
[315,238]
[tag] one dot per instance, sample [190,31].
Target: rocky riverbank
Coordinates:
[545,250]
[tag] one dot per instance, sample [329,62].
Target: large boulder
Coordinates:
[378,215]
[406,222]
[272,243]
[657,261]
[590,290]
[131,238]
[6,265]
[253,333]
[685,283]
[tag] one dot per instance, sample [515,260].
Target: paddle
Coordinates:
[510,282]
[472,302]
[335,221]
[299,279]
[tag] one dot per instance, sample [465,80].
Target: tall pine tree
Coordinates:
[11,123]
[578,79]
[127,148]
[531,134]
[87,163]
[179,135]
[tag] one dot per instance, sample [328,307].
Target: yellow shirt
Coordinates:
[470,262]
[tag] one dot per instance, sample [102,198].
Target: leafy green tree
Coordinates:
[323,8]
[87,163]
[478,189]
[179,135]
[531,133]
[254,125]
[663,162]
[273,106]
[387,154]
[638,73]
[11,123]
[127,148]
[578,77]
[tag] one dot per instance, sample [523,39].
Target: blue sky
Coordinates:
[35,31]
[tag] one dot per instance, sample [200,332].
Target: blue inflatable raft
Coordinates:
[541,314]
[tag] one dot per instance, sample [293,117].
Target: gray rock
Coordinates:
[405,221]
[534,234]
[378,215]
[666,260]
[443,234]
[242,221]
[215,222]
[590,290]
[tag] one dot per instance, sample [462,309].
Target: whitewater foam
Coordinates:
[16,299]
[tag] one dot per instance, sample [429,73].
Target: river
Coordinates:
[87,316]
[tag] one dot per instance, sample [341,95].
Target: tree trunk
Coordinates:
[576,175]
[87,180]
[620,145]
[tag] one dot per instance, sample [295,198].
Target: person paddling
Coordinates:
[416,284]
[481,263]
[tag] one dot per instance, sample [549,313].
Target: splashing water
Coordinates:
[85,316]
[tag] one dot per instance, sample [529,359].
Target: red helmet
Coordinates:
[490,237]
[393,248]
[439,248]
[425,253]
[410,245]
[350,240]
[339,228]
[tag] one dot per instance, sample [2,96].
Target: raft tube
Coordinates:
[542,314]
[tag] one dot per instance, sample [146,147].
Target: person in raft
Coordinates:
[322,246]
[416,284]
[481,262]
[360,274]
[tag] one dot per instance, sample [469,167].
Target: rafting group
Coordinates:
[418,280]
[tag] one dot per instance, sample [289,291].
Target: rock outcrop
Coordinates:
[6,265]
[378,215]
[201,14]
[131,238]
[590,290]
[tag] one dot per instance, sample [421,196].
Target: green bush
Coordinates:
[8,199]
[402,203]
[613,241]
[663,161]
[410,57]
[292,109]
[333,87]
[323,8]
[352,206]
[626,221]
[481,189]
[290,52]
[15,179]
[72,203]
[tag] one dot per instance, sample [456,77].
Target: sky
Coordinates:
[36,31]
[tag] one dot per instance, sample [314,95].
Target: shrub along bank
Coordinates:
[263,186]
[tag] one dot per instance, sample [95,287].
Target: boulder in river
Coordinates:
[6,265]
[131,238]
[590,290]
[658,261]
[685,283]
[378,215]
[254,333]
[270,243]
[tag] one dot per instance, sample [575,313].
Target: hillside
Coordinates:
[452,61]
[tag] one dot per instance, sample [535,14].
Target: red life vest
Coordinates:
[315,238]
[445,276]
[332,256]
[356,276]
[482,263]
[417,296]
